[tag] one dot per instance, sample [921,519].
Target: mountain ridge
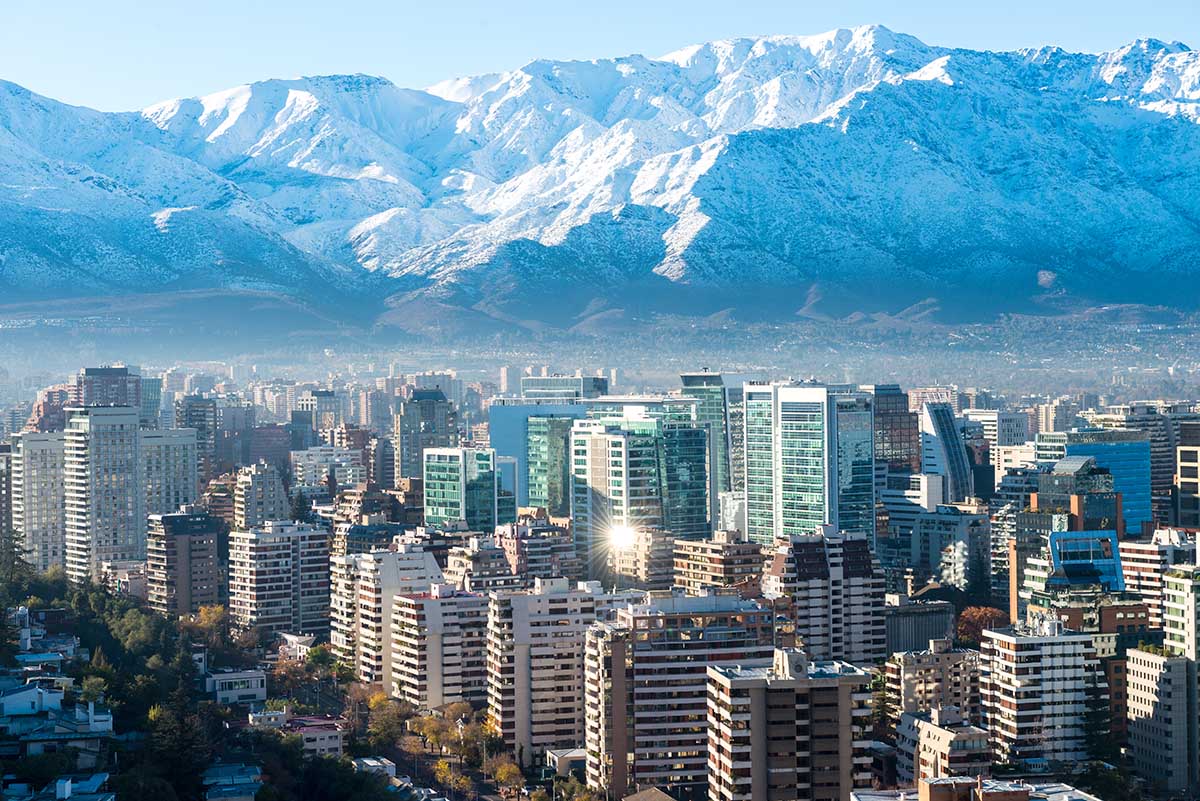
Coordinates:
[851,172]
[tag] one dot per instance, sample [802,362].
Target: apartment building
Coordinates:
[279,579]
[787,729]
[645,686]
[939,743]
[535,662]
[259,496]
[363,589]
[38,496]
[1145,562]
[727,560]
[1035,681]
[182,573]
[439,647]
[939,676]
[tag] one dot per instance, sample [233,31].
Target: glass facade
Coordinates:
[709,391]
[1123,453]
[461,485]
[548,464]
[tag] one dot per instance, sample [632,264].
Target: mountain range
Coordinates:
[858,173]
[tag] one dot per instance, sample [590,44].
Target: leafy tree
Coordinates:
[143,784]
[301,509]
[14,570]
[92,688]
[386,721]
[974,620]
[510,777]
[41,769]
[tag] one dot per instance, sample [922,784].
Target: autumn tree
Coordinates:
[974,620]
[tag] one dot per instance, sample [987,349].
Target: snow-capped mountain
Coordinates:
[854,171]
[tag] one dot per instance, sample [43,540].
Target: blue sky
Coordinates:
[125,54]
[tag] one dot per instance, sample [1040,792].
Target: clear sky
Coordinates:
[126,54]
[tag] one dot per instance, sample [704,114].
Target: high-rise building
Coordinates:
[325,407]
[462,485]
[638,482]
[897,432]
[548,464]
[709,391]
[646,683]
[200,413]
[279,579]
[535,663]
[726,561]
[1144,563]
[953,545]
[362,590]
[314,468]
[1000,429]
[943,452]
[6,464]
[1123,453]
[1036,681]
[1187,475]
[787,729]
[425,420]
[439,647]
[941,676]
[107,386]
[834,590]
[170,463]
[104,498]
[259,496]
[182,573]
[39,495]
[810,461]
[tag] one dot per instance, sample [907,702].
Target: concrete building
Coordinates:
[104,499]
[279,579]
[726,561]
[912,624]
[1144,563]
[363,588]
[787,729]
[952,544]
[939,676]
[940,743]
[313,467]
[182,571]
[462,486]
[1000,429]
[1162,742]
[170,469]
[645,687]
[427,419]
[39,495]
[200,413]
[535,663]
[538,548]
[1035,683]
[259,496]
[481,566]
[439,647]
[1125,453]
[834,592]
[6,460]
[974,788]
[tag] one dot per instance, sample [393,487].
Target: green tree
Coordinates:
[510,777]
[14,570]
[301,509]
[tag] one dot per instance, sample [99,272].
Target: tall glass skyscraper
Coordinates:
[810,453]
[709,391]
[462,485]
[548,463]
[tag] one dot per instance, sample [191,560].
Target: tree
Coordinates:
[300,508]
[974,620]
[509,777]
[13,567]
[385,720]
[92,688]
[320,660]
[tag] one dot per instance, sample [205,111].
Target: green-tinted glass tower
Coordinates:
[548,464]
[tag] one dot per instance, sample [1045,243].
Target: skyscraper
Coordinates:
[279,579]
[259,496]
[548,464]
[38,495]
[709,391]
[897,431]
[181,562]
[810,460]
[1123,452]
[426,420]
[200,413]
[104,497]
[169,464]
[943,452]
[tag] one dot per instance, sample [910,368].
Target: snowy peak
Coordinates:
[859,165]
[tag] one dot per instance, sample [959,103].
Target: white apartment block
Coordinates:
[1000,429]
[535,663]
[104,500]
[937,744]
[941,676]
[38,496]
[170,475]
[1159,685]
[1145,563]
[834,590]
[363,587]
[313,466]
[439,647]
[259,496]
[1035,679]
[279,578]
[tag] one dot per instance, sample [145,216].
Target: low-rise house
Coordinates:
[232,782]
[237,686]
[323,736]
